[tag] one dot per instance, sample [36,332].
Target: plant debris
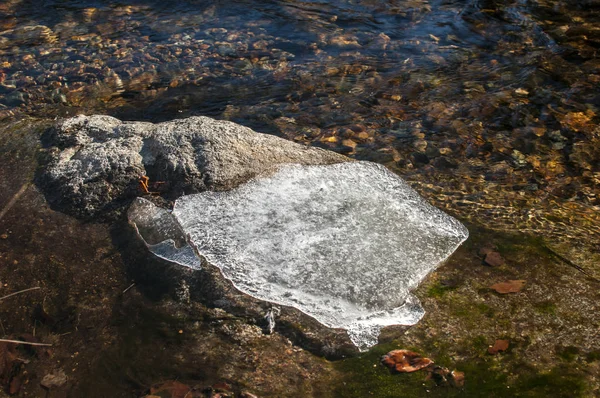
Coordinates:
[493,259]
[444,377]
[512,286]
[9,368]
[499,345]
[404,361]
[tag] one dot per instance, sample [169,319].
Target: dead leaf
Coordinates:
[457,378]
[405,361]
[499,345]
[7,363]
[512,286]
[15,385]
[493,259]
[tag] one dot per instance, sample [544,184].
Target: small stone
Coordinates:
[493,259]
[444,163]
[54,380]
[432,152]
[522,92]
[419,158]
[420,145]
[556,136]
[519,159]
[332,139]
[4,236]
[363,135]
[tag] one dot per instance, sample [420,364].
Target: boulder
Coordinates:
[94,163]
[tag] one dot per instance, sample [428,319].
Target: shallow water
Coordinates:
[489,108]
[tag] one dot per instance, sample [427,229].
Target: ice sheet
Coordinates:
[344,243]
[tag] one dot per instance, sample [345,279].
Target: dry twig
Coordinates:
[19,292]
[24,342]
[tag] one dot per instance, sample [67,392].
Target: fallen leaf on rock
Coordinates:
[457,378]
[513,286]
[493,259]
[405,361]
[174,388]
[499,345]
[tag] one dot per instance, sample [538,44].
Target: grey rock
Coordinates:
[94,163]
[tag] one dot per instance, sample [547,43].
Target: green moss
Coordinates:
[558,382]
[437,290]
[469,310]
[485,376]
[545,307]
[480,343]
[568,354]
[593,356]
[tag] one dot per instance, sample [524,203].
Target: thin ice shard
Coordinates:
[344,243]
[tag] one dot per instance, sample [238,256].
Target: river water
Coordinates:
[488,108]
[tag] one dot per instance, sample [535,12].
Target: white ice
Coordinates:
[343,243]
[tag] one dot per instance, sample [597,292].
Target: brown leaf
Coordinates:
[457,378]
[499,345]
[405,361]
[493,259]
[7,357]
[15,385]
[512,286]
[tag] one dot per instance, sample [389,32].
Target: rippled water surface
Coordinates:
[490,109]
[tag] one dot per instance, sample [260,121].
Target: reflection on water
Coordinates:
[488,107]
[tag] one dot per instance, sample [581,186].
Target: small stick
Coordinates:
[19,292]
[130,286]
[13,200]
[570,263]
[24,342]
